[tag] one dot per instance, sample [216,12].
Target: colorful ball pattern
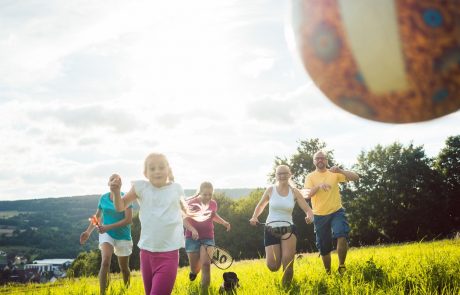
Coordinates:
[389,61]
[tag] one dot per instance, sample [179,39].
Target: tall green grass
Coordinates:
[414,268]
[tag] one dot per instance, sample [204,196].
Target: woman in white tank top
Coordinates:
[281,199]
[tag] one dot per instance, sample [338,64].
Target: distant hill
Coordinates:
[51,204]
[45,203]
[233,193]
[89,202]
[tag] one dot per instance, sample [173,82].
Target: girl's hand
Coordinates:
[305,193]
[227,226]
[115,184]
[195,235]
[84,237]
[309,217]
[254,221]
[102,229]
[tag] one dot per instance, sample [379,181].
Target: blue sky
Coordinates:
[88,88]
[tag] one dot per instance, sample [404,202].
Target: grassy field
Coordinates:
[414,268]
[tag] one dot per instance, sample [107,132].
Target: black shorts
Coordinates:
[270,240]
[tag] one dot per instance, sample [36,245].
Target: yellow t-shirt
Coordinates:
[325,202]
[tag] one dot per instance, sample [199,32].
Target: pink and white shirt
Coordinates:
[202,222]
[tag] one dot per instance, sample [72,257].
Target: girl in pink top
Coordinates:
[201,232]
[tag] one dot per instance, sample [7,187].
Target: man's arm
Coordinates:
[350,175]
[313,189]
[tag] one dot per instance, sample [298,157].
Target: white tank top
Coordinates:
[280,207]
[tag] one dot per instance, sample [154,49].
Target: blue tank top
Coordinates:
[110,215]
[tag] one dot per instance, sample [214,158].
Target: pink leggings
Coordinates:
[159,270]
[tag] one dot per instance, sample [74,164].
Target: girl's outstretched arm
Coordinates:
[261,206]
[303,205]
[188,226]
[222,221]
[85,235]
[119,202]
[184,207]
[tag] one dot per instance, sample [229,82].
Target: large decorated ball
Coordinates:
[390,61]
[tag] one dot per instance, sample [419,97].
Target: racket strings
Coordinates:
[219,257]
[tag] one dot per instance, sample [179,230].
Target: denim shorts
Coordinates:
[327,227]
[270,240]
[192,245]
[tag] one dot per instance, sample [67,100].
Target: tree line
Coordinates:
[402,195]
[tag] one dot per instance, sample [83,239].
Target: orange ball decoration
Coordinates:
[388,61]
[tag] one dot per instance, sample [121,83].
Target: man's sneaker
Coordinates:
[342,269]
[192,276]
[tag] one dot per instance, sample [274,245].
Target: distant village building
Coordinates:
[56,263]
[40,271]
[20,260]
[57,266]
[40,267]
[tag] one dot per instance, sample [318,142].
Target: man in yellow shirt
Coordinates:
[329,215]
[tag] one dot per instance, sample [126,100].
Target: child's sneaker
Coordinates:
[192,276]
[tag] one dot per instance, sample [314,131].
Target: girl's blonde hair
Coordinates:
[162,157]
[204,185]
[291,182]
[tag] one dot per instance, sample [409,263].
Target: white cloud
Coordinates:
[86,117]
[255,67]
[271,111]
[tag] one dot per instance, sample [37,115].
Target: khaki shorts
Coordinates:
[120,247]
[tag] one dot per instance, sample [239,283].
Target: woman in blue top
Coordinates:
[114,237]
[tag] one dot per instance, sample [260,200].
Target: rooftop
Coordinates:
[54,261]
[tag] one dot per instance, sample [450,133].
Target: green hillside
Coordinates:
[414,268]
[51,227]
